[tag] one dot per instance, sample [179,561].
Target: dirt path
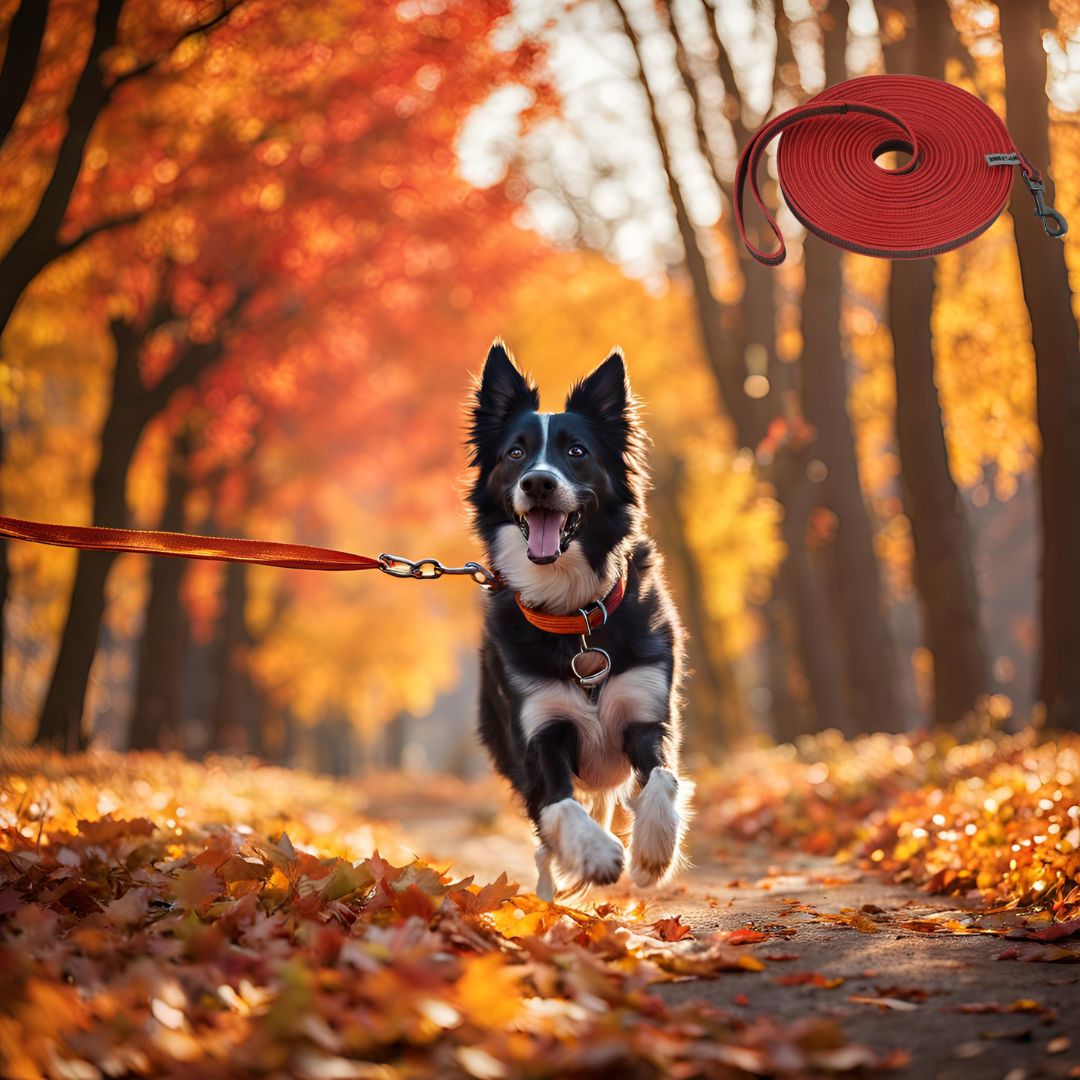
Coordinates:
[814,966]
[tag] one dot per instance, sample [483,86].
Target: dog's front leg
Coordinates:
[659,807]
[584,851]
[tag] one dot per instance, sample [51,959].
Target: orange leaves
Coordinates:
[809,978]
[216,951]
[995,817]
[745,936]
[474,900]
[674,929]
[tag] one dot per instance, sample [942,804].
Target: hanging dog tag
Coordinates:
[591,667]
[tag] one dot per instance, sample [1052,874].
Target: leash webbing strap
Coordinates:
[953,188]
[185,546]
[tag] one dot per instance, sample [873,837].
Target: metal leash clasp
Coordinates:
[432,569]
[1053,223]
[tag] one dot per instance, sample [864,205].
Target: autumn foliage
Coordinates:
[158,917]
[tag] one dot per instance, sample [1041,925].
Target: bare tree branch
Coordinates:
[36,246]
[682,62]
[733,102]
[725,360]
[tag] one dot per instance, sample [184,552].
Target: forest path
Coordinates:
[1029,1025]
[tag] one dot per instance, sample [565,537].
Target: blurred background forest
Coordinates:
[252,251]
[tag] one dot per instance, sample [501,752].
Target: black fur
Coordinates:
[608,480]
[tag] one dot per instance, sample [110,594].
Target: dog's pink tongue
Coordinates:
[544,528]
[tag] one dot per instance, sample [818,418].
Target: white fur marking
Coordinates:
[560,587]
[584,851]
[542,460]
[640,695]
[660,820]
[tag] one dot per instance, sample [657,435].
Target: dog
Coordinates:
[559,504]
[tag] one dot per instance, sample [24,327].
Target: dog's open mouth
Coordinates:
[548,532]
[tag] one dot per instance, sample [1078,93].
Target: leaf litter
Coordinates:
[166,919]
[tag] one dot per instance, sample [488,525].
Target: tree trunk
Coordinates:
[811,610]
[4,578]
[1057,365]
[156,720]
[235,730]
[944,574]
[724,346]
[870,666]
[60,724]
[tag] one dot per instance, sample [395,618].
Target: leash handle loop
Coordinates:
[752,153]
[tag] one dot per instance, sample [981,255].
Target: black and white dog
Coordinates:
[559,503]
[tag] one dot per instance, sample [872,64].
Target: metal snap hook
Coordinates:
[1053,223]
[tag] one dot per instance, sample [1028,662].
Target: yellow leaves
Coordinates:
[525,916]
[489,992]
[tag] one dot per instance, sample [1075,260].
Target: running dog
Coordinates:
[582,655]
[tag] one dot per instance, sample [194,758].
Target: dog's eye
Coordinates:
[516,453]
[578,451]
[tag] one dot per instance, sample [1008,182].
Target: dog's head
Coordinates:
[566,481]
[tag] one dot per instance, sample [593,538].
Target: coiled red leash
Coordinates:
[953,188]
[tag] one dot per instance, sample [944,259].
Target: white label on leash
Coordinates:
[1002,159]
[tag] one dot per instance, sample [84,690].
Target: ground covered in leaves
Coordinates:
[161,918]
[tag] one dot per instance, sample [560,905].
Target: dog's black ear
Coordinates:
[605,393]
[501,393]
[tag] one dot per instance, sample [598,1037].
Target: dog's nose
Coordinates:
[538,483]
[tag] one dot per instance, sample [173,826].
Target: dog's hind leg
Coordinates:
[584,850]
[660,807]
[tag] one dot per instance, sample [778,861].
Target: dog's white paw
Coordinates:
[659,827]
[584,851]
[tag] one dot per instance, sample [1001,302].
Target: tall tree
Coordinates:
[304,200]
[726,336]
[870,667]
[1049,300]
[235,720]
[38,241]
[156,716]
[944,573]
[132,405]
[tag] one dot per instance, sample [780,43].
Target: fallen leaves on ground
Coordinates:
[995,818]
[161,918]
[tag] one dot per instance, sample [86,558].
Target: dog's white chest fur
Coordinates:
[640,695]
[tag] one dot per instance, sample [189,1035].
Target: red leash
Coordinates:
[263,552]
[956,184]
